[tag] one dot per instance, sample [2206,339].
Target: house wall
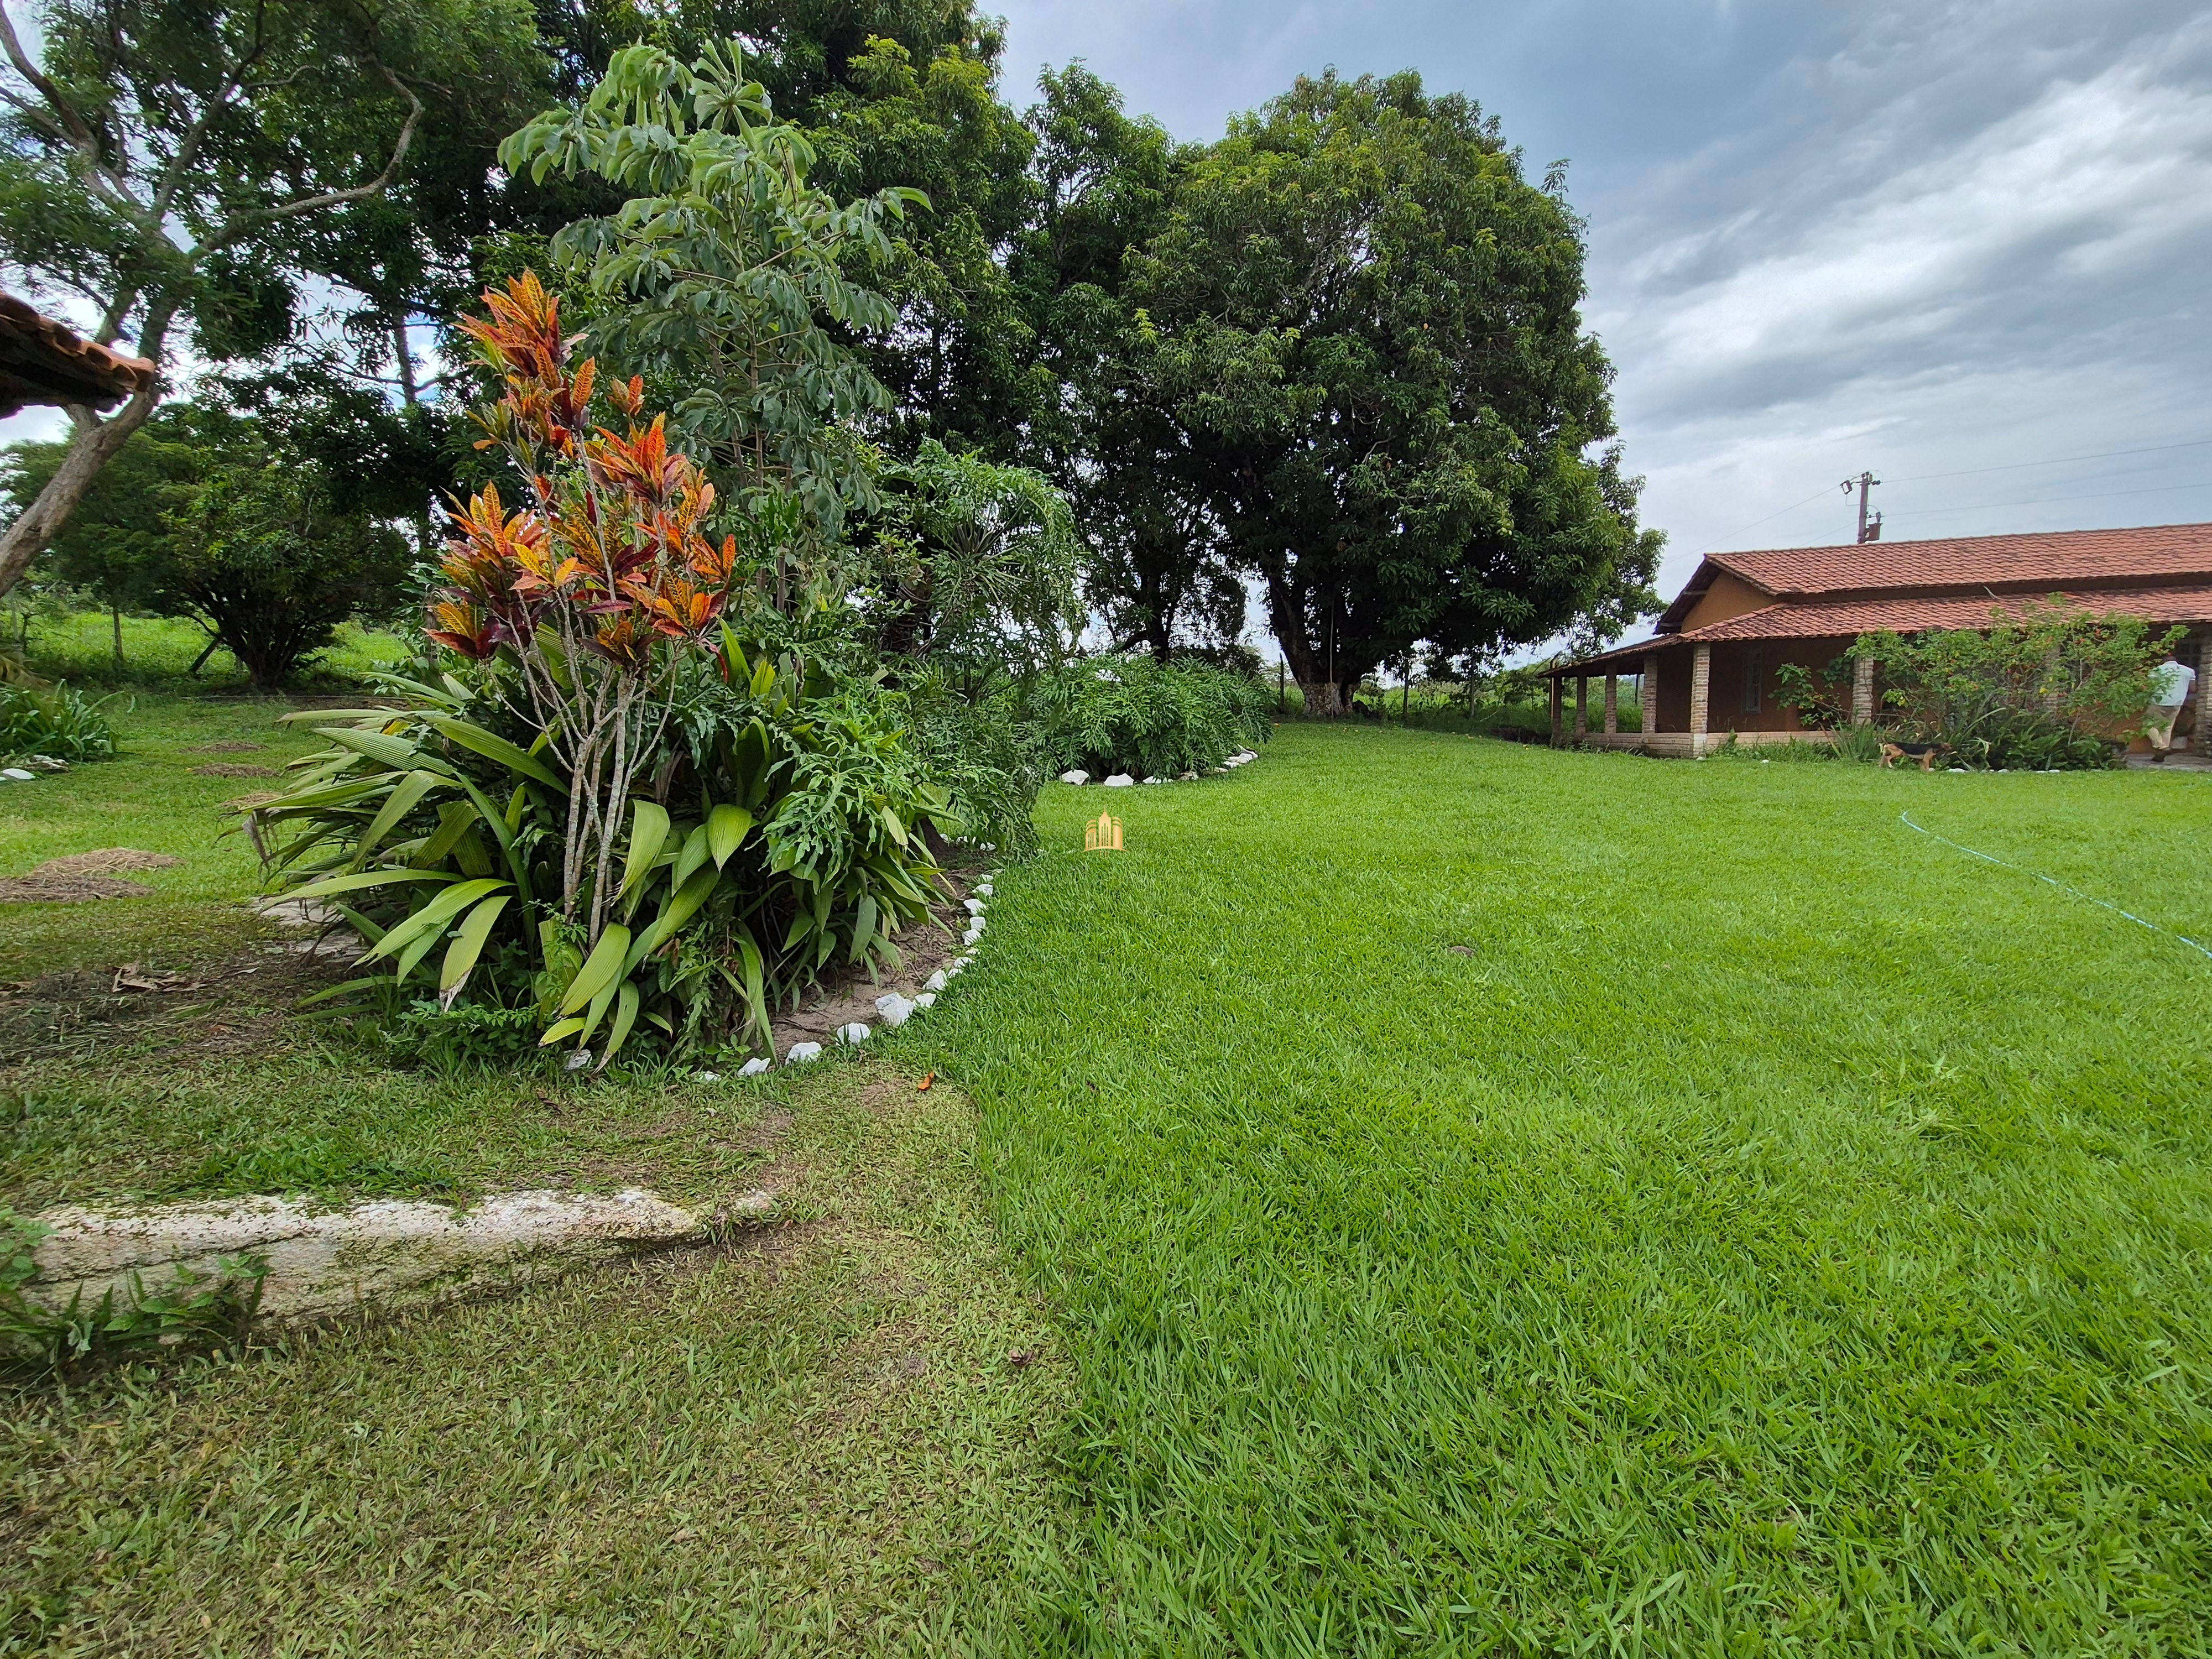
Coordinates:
[1729,596]
[1733,662]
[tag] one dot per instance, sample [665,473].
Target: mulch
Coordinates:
[83,877]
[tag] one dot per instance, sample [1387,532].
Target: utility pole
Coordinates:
[1869,532]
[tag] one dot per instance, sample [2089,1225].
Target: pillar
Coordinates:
[1647,696]
[1557,690]
[2200,735]
[1863,691]
[1701,686]
[1612,704]
[1581,707]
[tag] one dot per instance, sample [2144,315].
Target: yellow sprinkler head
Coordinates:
[1104,835]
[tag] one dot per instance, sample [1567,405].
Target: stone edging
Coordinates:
[1078,777]
[894,1010]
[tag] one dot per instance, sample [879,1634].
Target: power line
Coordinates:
[1975,471]
[2043,501]
[2055,460]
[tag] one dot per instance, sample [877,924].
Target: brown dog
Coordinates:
[1925,753]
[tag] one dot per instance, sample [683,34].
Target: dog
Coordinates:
[1925,753]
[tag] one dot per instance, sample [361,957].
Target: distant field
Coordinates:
[160,651]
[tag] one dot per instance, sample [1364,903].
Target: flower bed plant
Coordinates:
[646,801]
[1135,715]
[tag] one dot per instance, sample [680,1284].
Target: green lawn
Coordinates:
[1459,1196]
[1769,1230]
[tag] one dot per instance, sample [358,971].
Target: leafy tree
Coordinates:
[1368,333]
[169,163]
[114,544]
[1156,573]
[723,275]
[981,561]
[260,558]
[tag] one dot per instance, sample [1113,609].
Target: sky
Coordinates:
[1950,244]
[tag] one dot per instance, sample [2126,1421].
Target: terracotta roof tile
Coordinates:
[2049,559]
[1850,617]
[43,361]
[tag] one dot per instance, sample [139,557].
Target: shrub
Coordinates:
[650,802]
[58,722]
[2055,687]
[1133,714]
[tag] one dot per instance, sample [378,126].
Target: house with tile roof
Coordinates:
[43,361]
[1709,669]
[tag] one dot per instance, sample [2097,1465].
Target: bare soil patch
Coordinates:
[107,861]
[234,747]
[233,769]
[924,947]
[68,890]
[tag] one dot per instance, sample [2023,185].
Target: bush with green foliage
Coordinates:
[55,722]
[1133,714]
[2056,687]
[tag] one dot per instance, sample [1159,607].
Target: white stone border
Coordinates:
[892,1010]
[1078,777]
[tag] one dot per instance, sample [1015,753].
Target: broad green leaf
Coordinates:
[468,945]
[599,969]
[763,675]
[300,715]
[694,854]
[402,801]
[381,747]
[412,957]
[494,747]
[891,823]
[341,990]
[567,1028]
[598,1010]
[727,828]
[648,828]
[454,817]
[864,927]
[681,906]
[360,923]
[433,916]
[368,878]
[626,1002]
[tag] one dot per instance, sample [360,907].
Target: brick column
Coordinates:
[1581,707]
[1557,691]
[1647,695]
[2200,735]
[1863,691]
[1612,704]
[1701,685]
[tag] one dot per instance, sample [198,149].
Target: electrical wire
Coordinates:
[2044,500]
[1906,819]
[2055,460]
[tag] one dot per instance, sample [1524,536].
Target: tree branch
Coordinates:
[239,223]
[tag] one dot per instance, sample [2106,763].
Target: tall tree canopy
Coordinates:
[172,161]
[1366,328]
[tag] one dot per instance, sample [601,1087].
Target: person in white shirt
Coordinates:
[2169,688]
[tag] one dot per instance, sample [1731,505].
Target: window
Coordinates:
[1750,679]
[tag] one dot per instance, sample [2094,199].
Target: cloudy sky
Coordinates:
[1952,243]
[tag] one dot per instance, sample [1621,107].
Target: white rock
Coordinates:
[799,1053]
[577,1061]
[1120,780]
[854,1034]
[974,906]
[323,1261]
[984,888]
[17,775]
[972,935]
[1075,775]
[894,1010]
[293,912]
[953,969]
[935,982]
[754,1067]
[927,999]
[709,1077]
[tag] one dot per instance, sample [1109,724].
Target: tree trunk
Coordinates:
[94,445]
